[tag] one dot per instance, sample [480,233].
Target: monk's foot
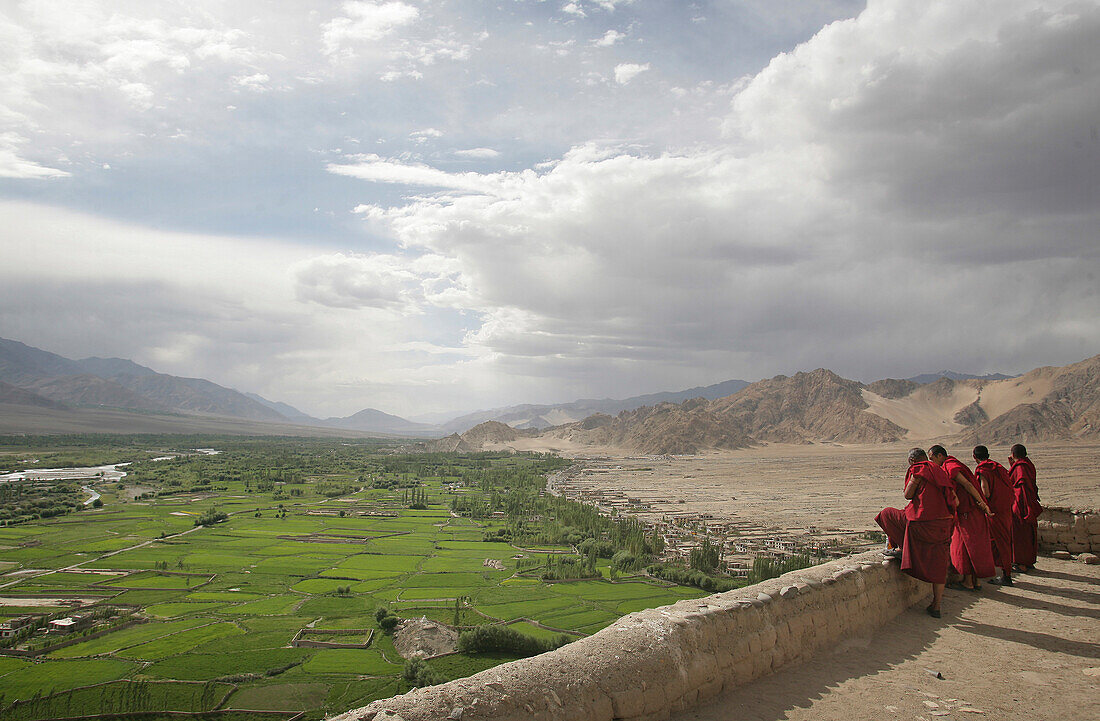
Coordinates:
[892,553]
[1019,569]
[1002,581]
[933,612]
[956,586]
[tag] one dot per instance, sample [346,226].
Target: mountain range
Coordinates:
[1046,404]
[44,392]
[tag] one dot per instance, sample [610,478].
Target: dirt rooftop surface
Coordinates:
[1027,652]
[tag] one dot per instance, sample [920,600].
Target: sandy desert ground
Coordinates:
[823,485]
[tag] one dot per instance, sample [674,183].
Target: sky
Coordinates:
[433,207]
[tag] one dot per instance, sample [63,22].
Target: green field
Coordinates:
[224,601]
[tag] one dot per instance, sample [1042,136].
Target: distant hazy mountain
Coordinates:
[952,375]
[110,367]
[21,363]
[375,421]
[284,409]
[22,397]
[544,416]
[91,390]
[120,383]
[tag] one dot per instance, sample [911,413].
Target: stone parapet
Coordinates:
[651,664]
[1069,529]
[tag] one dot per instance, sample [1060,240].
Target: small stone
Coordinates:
[1062,555]
[788,592]
[1090,558]
[763,598]
[456,713]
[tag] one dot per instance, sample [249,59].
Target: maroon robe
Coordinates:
[923,529]
[971,549]
[1025,512]
[1001,499]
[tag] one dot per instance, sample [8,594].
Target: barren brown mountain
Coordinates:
[822,407]
[89,390]
[16,396]
[817,406]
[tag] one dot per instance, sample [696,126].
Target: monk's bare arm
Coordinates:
[961,480]
[912,487]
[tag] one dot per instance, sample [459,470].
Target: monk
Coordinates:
[997,487]
[1025,509]
[971,549]
[923,529]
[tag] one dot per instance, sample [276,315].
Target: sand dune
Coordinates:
[998,397]
[928,412]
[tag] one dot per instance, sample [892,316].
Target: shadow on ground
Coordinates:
[772,697]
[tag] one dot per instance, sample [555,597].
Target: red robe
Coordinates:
[1001,499]
[971,549]
[923,530]
[1025,512]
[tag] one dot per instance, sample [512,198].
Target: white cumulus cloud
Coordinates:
[625,72]
[364,22]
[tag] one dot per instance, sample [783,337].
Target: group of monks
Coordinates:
[964,523]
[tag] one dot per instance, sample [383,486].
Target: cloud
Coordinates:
[573,9]
[609,38]
[354,281]
[625,72]
[611,5]
[369,166]
[872,181]
[478,153]
[13,165]
[255,81]
[364,22]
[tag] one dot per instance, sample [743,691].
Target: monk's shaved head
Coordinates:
[981,453]
[1018,451]
[917,455]
[937,451]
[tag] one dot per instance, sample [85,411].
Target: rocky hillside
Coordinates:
[90,390]
[807,407]
[17,396]
[816,406]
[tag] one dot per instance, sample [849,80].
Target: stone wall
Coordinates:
[1069,529]
[652,663]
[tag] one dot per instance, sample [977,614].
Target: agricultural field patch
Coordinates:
[362,662]
[353,694]
[181,642]
[183,608]
[280,697]
[338,606]
[273,606]
[53,676]
[124,638]
[205,666]
[530,629]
